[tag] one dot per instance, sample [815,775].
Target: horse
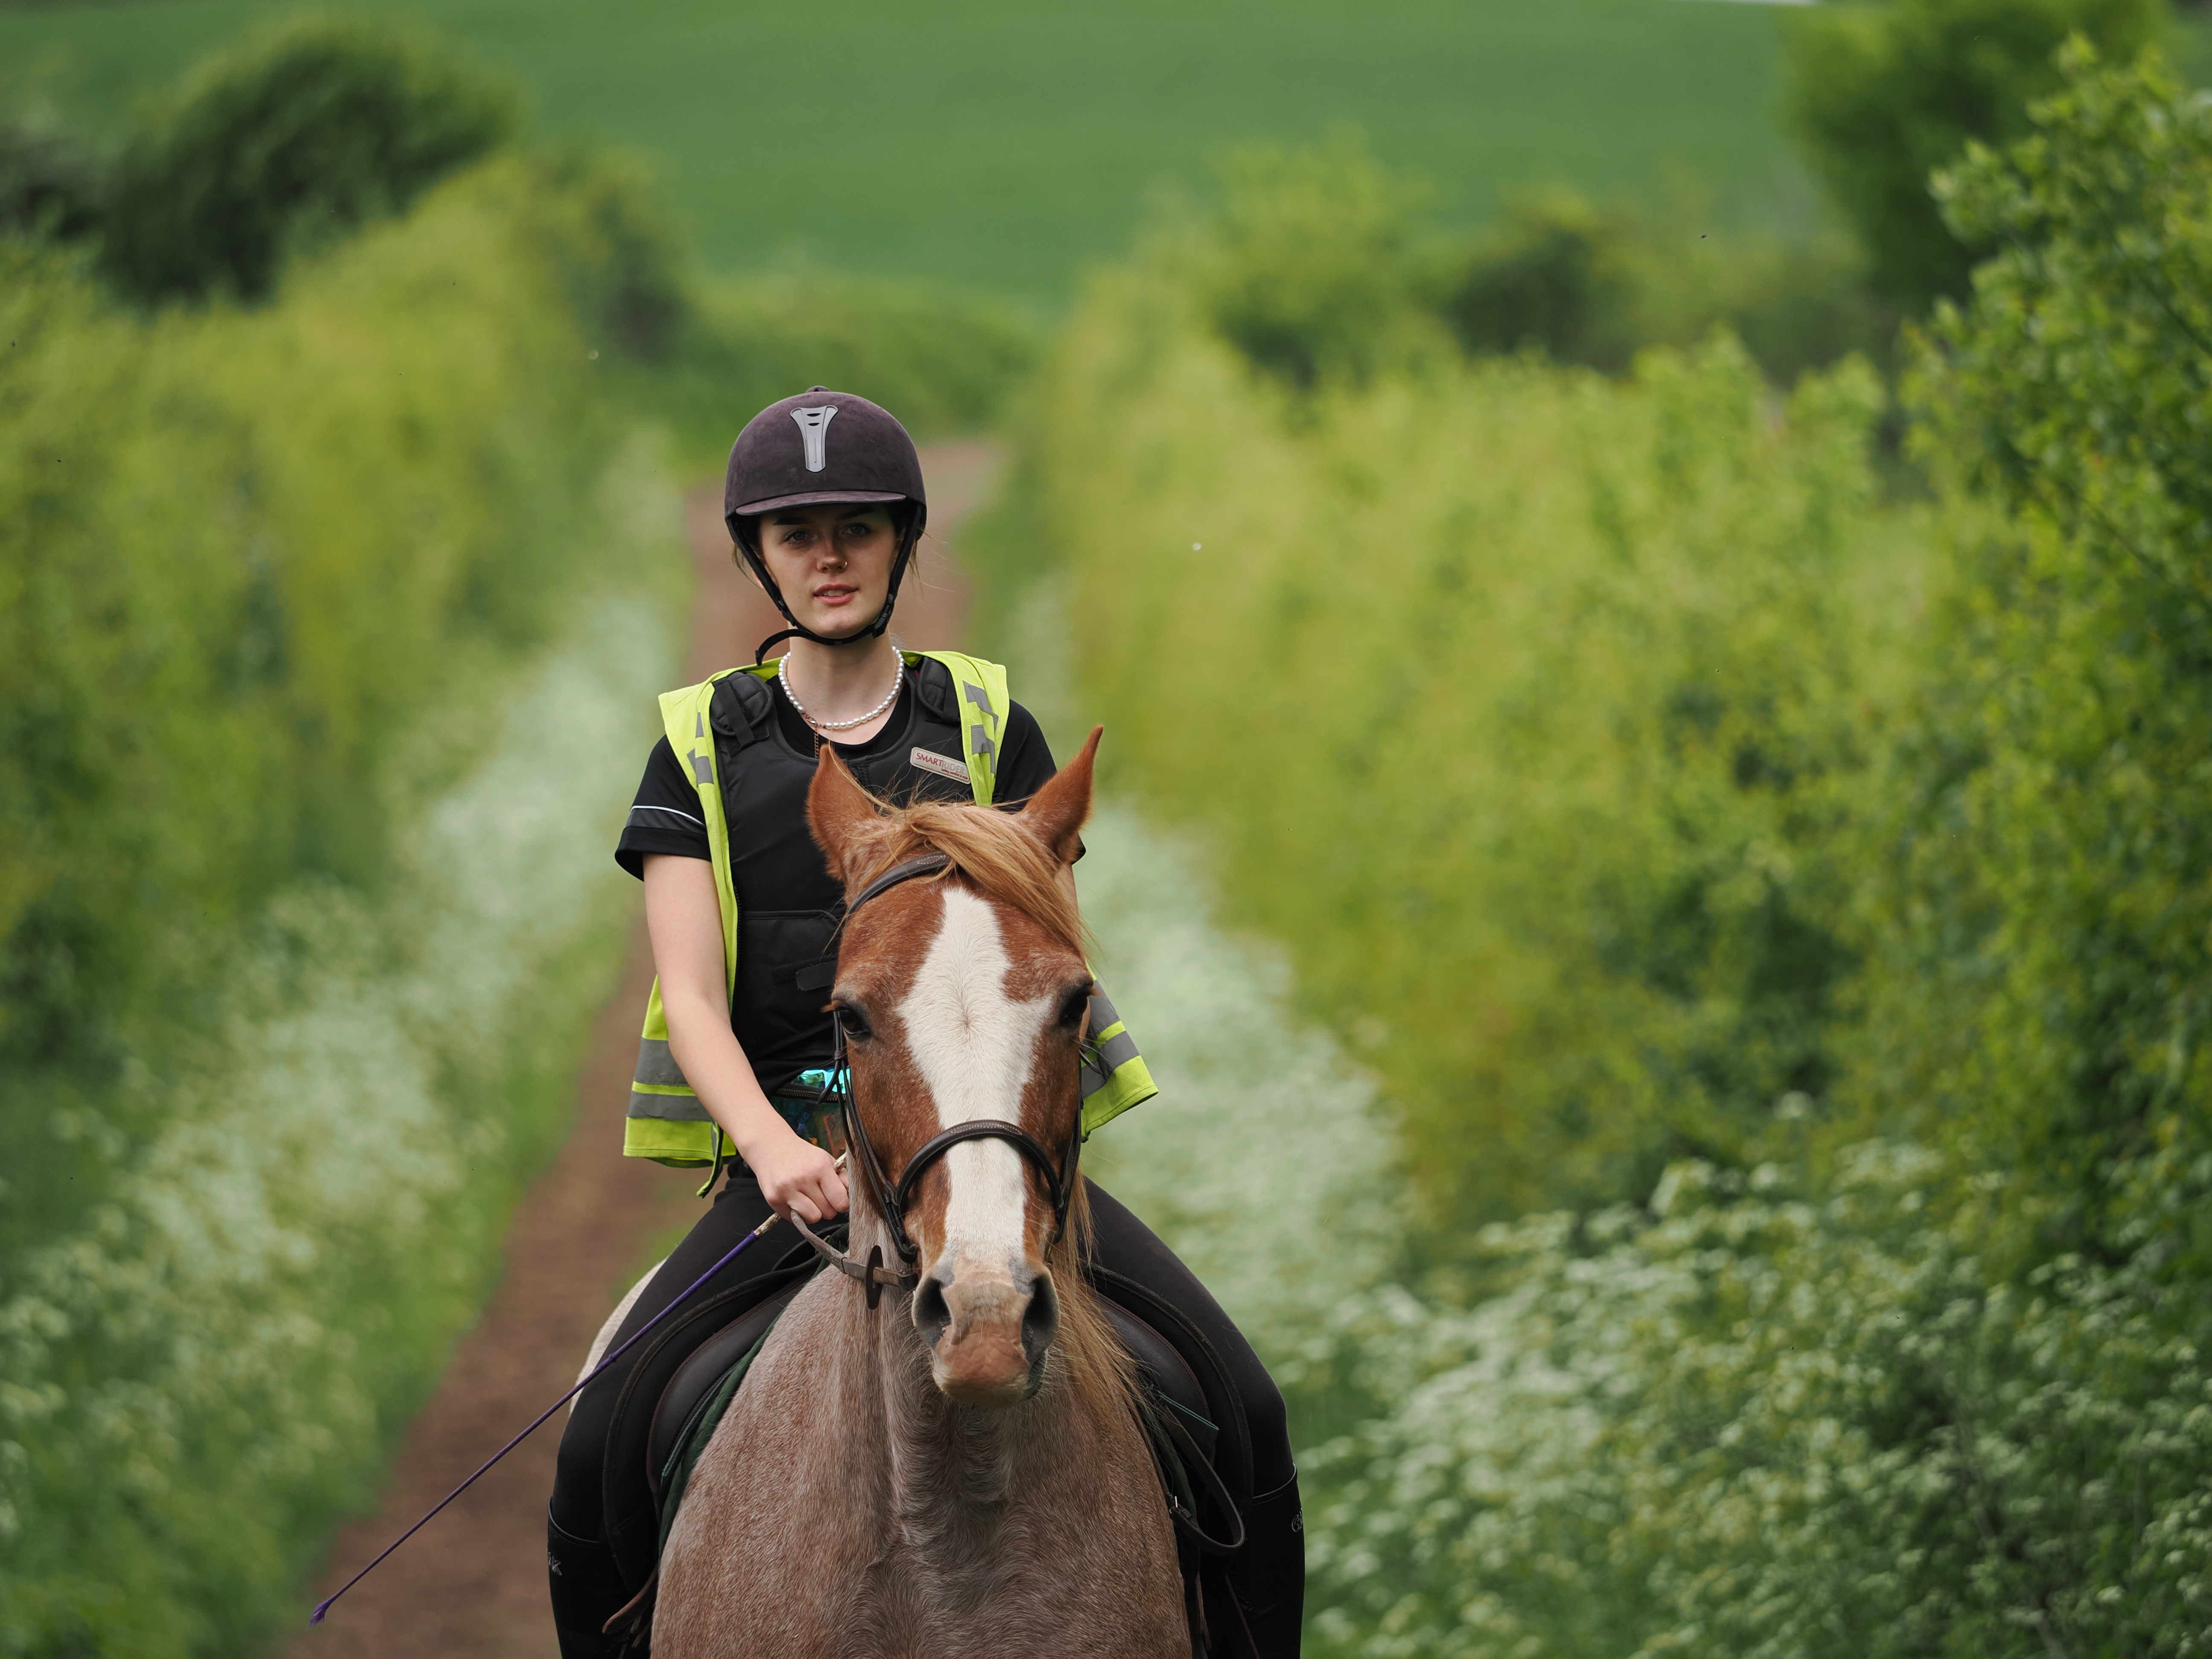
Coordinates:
[942,1458]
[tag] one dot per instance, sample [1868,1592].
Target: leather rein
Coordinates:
[893,1197]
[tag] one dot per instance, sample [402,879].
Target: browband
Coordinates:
[927,865]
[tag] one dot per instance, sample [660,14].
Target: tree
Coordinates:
[48,185]
[2053,934]
[315,130]
[1882,95]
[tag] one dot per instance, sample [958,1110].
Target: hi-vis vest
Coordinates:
[667,1122]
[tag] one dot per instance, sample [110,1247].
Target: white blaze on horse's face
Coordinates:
[975,1044]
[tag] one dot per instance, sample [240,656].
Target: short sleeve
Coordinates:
[1024,759]
[665,817]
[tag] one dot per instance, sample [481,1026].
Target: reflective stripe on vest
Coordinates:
[665,1121]
[1114,1075]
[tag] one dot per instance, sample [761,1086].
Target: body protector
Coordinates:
[719,731]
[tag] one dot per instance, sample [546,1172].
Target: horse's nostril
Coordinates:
[931,1315]
[1040,1320]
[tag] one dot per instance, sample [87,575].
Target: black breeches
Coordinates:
[1269,1573]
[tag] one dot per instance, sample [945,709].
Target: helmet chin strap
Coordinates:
[797,630]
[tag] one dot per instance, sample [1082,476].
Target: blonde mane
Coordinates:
[991,849]
[1099,1369]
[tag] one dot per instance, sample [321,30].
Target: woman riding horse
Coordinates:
[825,505]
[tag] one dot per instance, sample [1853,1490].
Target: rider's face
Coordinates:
[832,563]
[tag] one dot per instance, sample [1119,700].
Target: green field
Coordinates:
[1007,145]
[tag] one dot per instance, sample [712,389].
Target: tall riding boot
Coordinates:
[1269,1573]
[588,1591]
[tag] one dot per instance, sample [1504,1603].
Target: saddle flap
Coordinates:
[697,1377]
[1232,1452]
[1170,1375]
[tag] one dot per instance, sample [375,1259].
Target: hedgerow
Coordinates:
[316,712]
[336,574]
[1625,776]
[1761,1421]
[1551,690]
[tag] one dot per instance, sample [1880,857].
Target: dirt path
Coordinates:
[473,1582]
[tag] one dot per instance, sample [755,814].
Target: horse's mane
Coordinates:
[1099,1369]
[993,851]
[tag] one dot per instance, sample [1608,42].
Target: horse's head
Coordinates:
[962,996]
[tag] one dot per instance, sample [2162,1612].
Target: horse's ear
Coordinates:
[1056,812]
[840,813]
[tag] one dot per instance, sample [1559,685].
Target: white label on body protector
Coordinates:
[943,765]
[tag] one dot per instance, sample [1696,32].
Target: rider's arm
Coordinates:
[684,919]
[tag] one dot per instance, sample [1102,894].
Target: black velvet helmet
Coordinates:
[818,448]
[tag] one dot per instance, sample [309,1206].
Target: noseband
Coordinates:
[893,1197]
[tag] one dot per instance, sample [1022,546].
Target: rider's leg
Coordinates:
[588,1589]
[1269,1572]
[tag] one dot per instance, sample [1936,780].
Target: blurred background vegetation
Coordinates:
[1649,557]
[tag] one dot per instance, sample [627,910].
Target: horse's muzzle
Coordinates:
[988,1331]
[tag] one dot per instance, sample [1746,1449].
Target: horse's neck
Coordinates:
[914,1526]
[941,1465]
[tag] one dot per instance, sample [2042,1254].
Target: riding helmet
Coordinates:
[819,447]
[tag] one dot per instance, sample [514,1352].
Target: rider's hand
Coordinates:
[796,1174]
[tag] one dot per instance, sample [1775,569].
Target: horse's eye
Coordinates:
[856,1023]
[1072,1007]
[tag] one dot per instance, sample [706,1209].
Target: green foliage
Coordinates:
[943,362]
[1765,1423]
[2053,815]
[1552,276]
[48,185]
[1586,286]
[1551,692]
[1313,267]
[303,134]
[1882,94]
[303,810]
[1318,266]
[257,538]
[1876,1398]
[1223,1162]
[631,293]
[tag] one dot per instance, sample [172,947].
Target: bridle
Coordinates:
[893,1197]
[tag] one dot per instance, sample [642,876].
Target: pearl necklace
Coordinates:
[783,678]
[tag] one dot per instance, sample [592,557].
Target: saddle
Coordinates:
[677,1392]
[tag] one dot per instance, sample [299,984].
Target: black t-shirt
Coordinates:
[787,899]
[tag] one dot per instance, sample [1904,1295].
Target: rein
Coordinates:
[893,1197]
